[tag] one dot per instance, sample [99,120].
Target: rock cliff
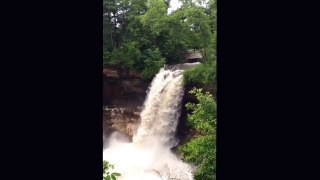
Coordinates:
[124,92]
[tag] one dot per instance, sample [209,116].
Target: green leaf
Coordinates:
[113,177]
[116,174]
[108,177]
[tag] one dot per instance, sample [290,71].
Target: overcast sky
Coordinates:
[175,4]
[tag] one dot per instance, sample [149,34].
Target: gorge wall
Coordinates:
[124,92]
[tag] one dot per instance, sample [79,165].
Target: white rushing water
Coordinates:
[149,156]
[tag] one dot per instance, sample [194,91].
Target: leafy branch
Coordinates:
[107,174]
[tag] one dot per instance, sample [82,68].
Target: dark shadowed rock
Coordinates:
[124,92]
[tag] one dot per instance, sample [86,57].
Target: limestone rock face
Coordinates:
[119,83]
[111,72]
[124,92]
[124,119]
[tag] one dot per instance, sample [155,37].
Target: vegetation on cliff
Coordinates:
[201,149]
[206,73]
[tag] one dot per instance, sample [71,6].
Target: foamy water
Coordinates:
[149,156]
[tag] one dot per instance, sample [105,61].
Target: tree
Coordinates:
[206,74]
[135,32]
[201,150]
[154,61]
[156,15]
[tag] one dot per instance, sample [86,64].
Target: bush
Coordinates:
[204,74]
[201,150]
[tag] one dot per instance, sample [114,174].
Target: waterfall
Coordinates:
[149,155]
[162,109]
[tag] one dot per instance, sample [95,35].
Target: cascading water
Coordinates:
[149,156]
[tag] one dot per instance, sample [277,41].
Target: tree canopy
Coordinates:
[142,34]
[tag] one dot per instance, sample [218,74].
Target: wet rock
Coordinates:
[123,119]
[111,72]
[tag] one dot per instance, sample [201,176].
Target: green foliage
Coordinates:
[106,57]
[201,150]
[206,73]
[203,116]
[156,15]
[153,63]
[203,73]
[132,28]
[107,174]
